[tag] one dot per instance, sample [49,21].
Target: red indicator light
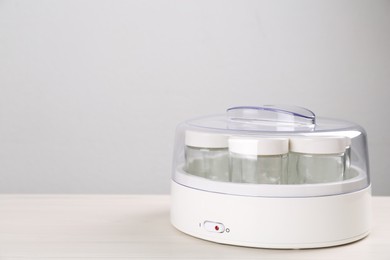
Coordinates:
[216,228]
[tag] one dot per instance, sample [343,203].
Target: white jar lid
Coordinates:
[258,146]
[319,144]
[206,140]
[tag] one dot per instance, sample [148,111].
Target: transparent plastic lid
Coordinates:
[271,151]
[269,117]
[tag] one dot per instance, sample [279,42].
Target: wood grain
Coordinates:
[138,227]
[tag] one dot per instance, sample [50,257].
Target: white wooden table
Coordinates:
[138,227]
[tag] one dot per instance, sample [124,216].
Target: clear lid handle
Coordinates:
[275,116]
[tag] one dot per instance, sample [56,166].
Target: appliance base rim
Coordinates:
[191,207]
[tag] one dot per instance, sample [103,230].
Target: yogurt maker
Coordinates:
[271,177]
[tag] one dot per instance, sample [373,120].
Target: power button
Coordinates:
[215,227]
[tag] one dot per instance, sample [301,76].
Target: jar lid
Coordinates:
[206,140]
[319,144]
[258,146]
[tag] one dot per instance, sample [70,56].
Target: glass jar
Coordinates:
[206,155]
[317,159]
[348,154]
[260,160]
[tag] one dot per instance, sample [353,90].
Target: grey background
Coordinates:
[91,91]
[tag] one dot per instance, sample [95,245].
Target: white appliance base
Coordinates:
[267,222]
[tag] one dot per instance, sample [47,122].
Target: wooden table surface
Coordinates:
[138,227]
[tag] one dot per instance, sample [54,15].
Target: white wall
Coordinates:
[91,91]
